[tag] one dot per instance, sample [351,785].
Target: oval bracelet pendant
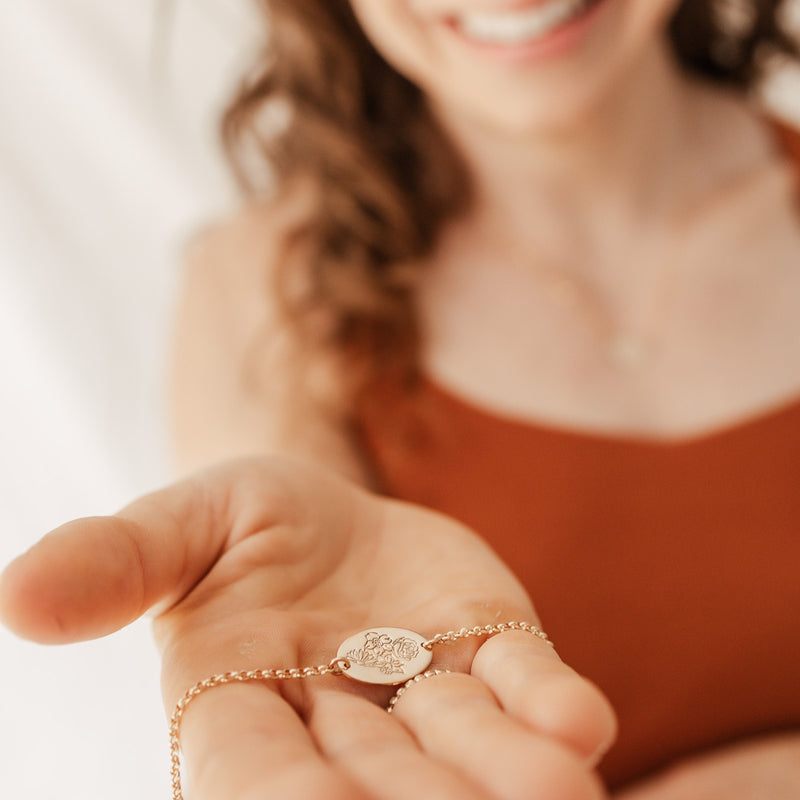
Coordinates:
[386,656]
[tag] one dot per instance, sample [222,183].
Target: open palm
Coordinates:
[265,564]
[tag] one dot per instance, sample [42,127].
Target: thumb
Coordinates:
[92,576]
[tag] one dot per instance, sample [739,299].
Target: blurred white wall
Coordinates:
[108,161]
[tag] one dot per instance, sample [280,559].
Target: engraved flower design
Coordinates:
[383,653]
[405,648]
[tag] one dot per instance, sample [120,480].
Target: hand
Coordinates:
[767,767]
[267,564]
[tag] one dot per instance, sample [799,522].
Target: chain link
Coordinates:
[335,667]
[485,630]
[431,673]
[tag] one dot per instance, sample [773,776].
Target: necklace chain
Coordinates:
[630,345]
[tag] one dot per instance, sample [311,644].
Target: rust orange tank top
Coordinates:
[667,573]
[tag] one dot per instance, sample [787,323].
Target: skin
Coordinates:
[549,100]
[643,192]
[607,149]
[268,562]
[758,768]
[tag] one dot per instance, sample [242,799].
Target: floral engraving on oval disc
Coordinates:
[385,655]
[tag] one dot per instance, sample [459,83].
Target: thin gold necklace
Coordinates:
[633,345]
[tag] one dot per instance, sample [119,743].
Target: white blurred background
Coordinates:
[108,162]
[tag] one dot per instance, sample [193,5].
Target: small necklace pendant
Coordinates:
[387,656]
[629,351]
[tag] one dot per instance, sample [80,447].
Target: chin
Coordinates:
[540,123]
[526,117]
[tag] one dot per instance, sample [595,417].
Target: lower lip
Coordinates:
[558,42]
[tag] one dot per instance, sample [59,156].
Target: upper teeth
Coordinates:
[514,27]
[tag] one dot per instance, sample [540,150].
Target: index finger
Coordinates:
[534,685]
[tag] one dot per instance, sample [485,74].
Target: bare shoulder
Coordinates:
[233,391]
[234,253]
[226,296]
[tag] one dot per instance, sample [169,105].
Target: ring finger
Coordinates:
[380,754]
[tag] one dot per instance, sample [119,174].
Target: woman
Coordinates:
[535,273]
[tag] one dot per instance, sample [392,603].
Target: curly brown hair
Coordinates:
[322,108]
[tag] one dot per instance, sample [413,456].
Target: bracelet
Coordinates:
[431,673]
[385,656]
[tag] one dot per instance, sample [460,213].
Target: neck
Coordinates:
[618,165]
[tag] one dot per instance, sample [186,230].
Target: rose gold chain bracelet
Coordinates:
[387,656]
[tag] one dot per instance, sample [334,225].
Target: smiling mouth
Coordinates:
[519,26]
